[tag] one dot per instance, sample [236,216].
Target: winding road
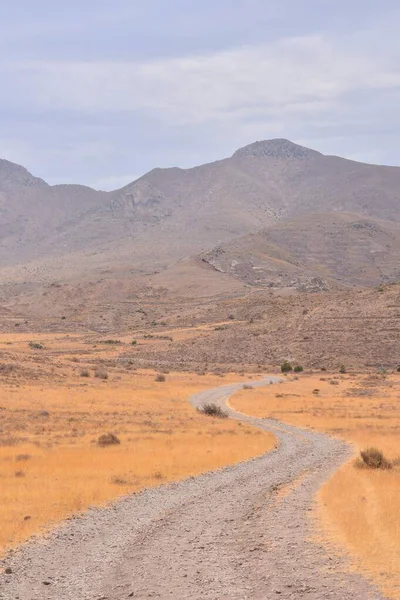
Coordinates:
[242,532]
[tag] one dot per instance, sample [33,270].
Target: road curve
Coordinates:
[242,532]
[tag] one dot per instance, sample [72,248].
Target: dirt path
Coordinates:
[240,532]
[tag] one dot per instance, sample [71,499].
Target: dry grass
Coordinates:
[359,508]
[52,420]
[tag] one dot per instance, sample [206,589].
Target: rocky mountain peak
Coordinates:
[277,148]
[13,175]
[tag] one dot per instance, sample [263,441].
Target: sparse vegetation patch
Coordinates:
[286,367]
[108,439]
[213,410]
[372,458]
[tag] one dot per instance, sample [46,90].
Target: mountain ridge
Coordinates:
[171,214]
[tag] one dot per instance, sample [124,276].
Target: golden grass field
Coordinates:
[51,417]
[359,509]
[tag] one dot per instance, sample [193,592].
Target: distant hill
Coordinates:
[49,232]
[314,252]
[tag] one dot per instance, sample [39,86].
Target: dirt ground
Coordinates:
[359,509]
[53,409]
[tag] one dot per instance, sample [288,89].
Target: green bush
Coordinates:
[298,369]
[286,367]
[36,346]
[343,369]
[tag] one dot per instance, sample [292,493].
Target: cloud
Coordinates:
[290,76]
[87,118]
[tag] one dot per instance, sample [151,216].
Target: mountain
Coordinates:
[15,176]
[49,232]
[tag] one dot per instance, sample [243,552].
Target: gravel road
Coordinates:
[236,533]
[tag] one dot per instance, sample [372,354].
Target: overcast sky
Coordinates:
[99,92]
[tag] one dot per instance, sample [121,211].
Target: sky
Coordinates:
[98,92]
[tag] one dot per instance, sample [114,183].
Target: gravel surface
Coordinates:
[240,532]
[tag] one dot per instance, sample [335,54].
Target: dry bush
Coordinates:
[85,373]
[6,368]
[247,386]
[334,382]
[19,474]
[160,377]
[372,458]
[22,457]
[108,439]
[213,410]
[101,374]
[119,480]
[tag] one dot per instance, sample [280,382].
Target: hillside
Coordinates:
[49,232]
[357,328]
[314,252]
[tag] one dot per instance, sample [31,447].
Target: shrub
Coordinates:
[22,457]
[85,373]
[298,369]
[134,342]
[398,369]
[108,439]
[286,367]
[119,480]
[213,410]
[372,458]
[316,391]
[101,374]
[111,342]
[36,346]
[334,382]
[247,386]
[343,369]
[160,378]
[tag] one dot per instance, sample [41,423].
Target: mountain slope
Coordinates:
[169,214]
[314,251]
[12,175]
